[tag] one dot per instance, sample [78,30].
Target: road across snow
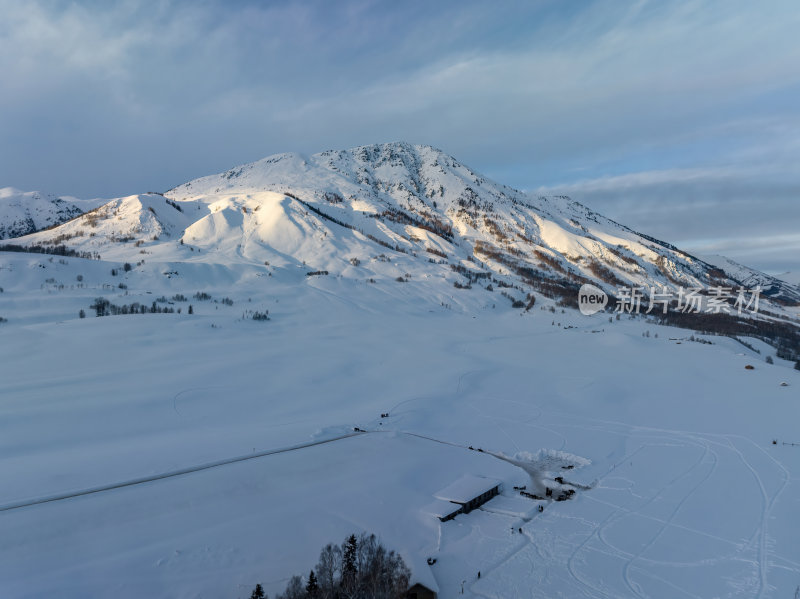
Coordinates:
[171,474]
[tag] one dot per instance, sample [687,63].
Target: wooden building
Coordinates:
[420,591]
[463,496]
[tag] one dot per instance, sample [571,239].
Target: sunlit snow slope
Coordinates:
[433,216]
[200,389]
[22,213]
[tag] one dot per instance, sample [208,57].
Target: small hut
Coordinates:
[420,591]
[422,584]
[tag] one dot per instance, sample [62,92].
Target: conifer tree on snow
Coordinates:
[258,593]
[312,587]
[349,570]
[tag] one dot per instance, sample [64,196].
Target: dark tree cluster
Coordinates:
[55,250]
[256,315]
[471,275]
[104,307]
[564,289]
[551,261]
[783,336]
[427,222]
[359,568]
[531,302]
[436,252]
[333,197]
[618,252]
[604,274]
[175,205]
[515,303]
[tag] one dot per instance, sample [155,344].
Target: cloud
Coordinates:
[113,98]
[748,212]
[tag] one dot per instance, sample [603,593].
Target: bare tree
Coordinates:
[361,568]
[328,569]
[294,590]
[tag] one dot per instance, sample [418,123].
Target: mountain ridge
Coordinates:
[340,210]
[26,212]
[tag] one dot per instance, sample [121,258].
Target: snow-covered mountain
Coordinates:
[348,212]
[231,388]
[25,212]
[776,287]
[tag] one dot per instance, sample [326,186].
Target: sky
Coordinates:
[678,119]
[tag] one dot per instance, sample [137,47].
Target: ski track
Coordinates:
[767,503]
[667,524]
[613,518]
[680,438]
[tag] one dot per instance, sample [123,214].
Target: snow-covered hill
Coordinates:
[347,212]
[25,212]
[775,287]
[235,409]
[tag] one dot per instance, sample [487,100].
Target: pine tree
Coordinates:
[349,570]
[349,554]
[191,309]
[258,593]
[312,588]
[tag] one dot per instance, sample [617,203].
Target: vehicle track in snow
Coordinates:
[170,474]
[201,467]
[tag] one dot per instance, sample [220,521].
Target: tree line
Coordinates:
[104,307]
[359,568]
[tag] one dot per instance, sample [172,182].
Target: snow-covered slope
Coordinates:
[434,218]
[181,447]
[145,217]
[681,493]
[25,212]
[774,287]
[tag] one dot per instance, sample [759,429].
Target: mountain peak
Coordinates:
[25,212]
[438,220]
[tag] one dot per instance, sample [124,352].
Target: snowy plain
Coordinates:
[687,495]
